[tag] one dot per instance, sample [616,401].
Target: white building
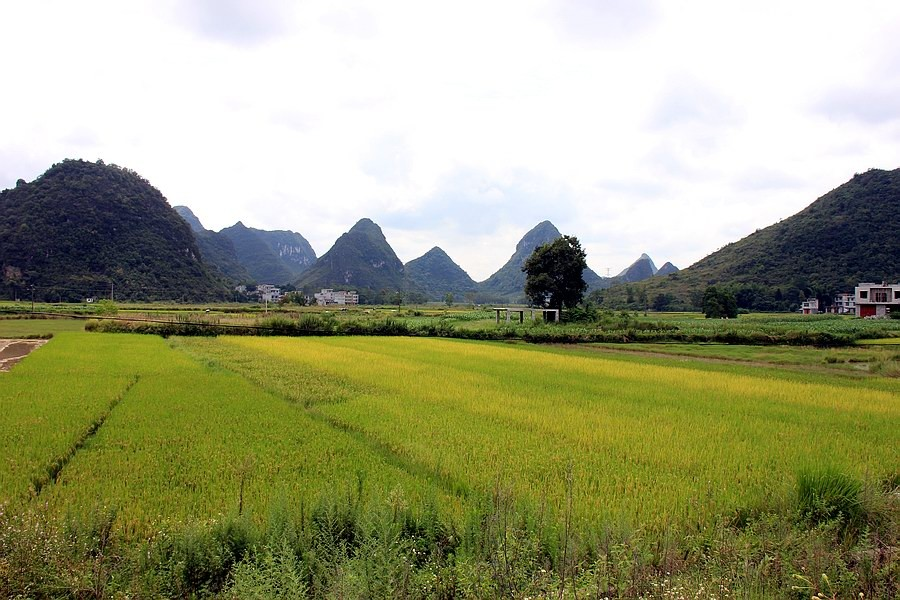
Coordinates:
[328,296]
[845,304]
[268,293]
[810,306]
[877,299]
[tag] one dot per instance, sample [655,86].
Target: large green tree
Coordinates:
[554,273]
[719,304]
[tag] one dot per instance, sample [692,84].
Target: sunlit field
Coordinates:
[584,449]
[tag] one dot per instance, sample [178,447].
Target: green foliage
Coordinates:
[825,495]
[82,229]
[437,275]
[843,238]
[106,307]
[719,304]
[275,257]
[553,273]
[437,469]
[508,283]
[360,259]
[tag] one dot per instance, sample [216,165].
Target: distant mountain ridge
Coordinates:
[360,259]
[641,269]
[667,269]
[83,229]
[436,275]
[244,254]
[845,237]
[216,249]
[508,283]
[276,257]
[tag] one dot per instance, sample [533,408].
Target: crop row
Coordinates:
[52,400]
[645,443]
[191,442]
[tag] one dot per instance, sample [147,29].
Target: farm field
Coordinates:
[858,359]
[18,328]
[610,449]
[649,445]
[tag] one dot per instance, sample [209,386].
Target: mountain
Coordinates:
[508,283]
[89,229]
[216,249]
[360,259]
[641,269]
[190,218]
[290,247]
[275,257]
[845,237]
[667,269]
[436,275]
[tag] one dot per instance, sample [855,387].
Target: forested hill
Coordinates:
[847,236]
[217,250]
[360,259]
[508,283]
[85,229]
[436,275]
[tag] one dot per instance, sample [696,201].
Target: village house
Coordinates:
[268,292]
[844,304]
[877,299]
[328,297]
[810,306]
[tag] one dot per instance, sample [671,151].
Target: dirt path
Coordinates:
[12,351]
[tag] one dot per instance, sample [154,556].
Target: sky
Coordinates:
[666,128]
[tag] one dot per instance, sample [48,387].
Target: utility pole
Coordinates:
[32,299]
[112,289]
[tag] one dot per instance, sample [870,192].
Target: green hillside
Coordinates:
[275,257]
[216,249]
[847,236]
[641,269]
[256,256]
[508,283]
[290,247]
[87,229]
[360,259]
[436,275]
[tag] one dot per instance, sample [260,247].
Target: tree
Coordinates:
[448,299]
[719,304]
[554,273]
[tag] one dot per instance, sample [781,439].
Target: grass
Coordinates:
[853,359]
[23,328]
[550,468]
[642,438]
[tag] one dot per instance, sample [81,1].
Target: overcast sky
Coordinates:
[670,128]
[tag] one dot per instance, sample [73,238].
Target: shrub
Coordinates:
[825,495]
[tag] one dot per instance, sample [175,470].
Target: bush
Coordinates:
[826,495]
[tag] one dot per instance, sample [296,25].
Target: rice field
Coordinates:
[648,445]
[181,431]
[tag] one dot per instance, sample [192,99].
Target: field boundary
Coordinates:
[53,470]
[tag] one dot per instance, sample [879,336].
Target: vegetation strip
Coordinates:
[53,470]
[450,485]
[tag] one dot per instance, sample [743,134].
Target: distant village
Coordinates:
[868,300]
[265,292]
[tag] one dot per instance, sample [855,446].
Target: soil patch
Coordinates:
[12,351]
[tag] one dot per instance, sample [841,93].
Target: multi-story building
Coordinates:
[329,296]
[810,306]
[268,292]
[877,299]
[845,304]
